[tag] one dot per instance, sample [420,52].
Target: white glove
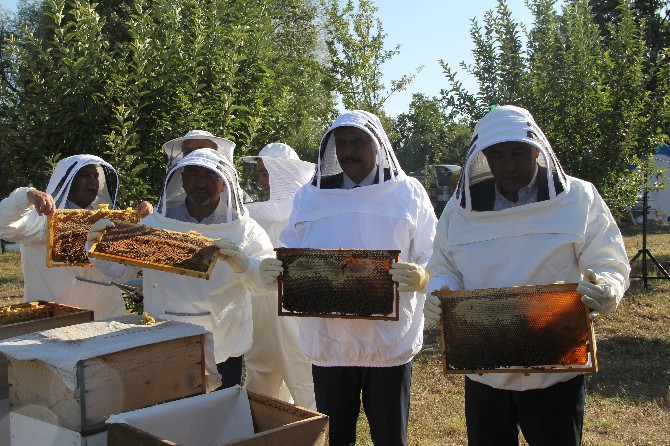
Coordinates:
[432,309]
[412,275]
[230,252]
[269,270]
[596,294]
[96,229]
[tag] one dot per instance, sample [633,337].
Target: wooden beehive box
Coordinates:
[525,329]
[338,283]
[75,377]
[28,317]
[182,422]
[67,230]
[190,254]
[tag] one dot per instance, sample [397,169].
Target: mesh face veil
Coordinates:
[504,124]
[64,172]
[174,194]
[369,123]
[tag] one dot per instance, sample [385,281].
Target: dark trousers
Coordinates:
[230,371]
[385,399]
[551,416]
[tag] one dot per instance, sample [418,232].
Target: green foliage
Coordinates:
[355,44]
[425,135]
[120,79]
[589,94]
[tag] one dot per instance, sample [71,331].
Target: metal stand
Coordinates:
[644,252]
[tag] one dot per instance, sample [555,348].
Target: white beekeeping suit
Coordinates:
[392,213]
[565,231]
[275,355]
[79,286]
[222,303]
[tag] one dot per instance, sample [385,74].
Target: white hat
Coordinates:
[274,149]
[224,146]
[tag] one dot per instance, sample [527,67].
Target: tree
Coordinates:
[120,79]
[355,44]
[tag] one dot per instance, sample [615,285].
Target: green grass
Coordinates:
[628,400]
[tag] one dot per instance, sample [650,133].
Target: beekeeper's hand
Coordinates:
[432,309]
[269,270]
[596,294]
[231,253]
[144,208]
[412,275]
[43,202]
[96,229]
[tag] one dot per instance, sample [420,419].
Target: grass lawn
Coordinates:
[628,400]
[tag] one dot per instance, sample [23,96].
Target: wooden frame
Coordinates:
[338,283]
[77,235]
[146,237]
[526,329]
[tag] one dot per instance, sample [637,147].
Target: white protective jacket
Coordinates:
[79,286]
[275,354]
[222,303]
[395,213]
[554,239]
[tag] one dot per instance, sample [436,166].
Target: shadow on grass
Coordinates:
[634,369]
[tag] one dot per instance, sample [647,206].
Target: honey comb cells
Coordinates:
[337,283]
[181,253]
[538,328]
[67,230]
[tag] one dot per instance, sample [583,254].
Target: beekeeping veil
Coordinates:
[174,194]
[287,173]
[369,123]
[503,124]
[64,172]
[173,148]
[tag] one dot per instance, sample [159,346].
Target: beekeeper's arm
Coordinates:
[245,260]
[112,270]
[602,260]
[443,273]
[22,215]
[410,272]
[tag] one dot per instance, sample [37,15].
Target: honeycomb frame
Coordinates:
[155,248]
[524,329]
[338,283]
[67,229]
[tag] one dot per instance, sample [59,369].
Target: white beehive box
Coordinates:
[75,377]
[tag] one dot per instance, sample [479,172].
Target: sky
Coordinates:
[427,31]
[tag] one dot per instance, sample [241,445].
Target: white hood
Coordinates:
[369,123]
[287,173]
[173,148]
[64,172]
[503,124]
[174,194]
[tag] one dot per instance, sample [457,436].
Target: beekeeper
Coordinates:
[361,198]
[201,193]
[275,365]
[77,182]
[517,219]
[178,148]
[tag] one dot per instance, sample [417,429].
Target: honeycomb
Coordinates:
[67,230]
[182,253]
[338,283]
[532,327]
[27,311]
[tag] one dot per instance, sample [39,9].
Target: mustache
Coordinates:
[350,159]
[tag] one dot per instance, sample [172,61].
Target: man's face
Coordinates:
[355,151]
[513,165]
[190,145]
[263,178]
[85,186]
[202,185]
